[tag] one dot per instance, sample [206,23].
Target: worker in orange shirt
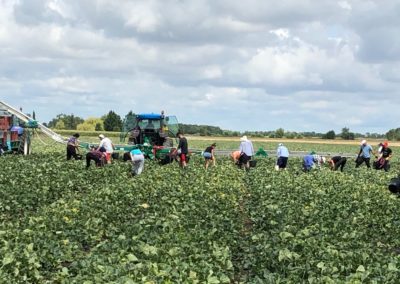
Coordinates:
[235,155]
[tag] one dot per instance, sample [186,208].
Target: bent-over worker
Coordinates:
[137,158]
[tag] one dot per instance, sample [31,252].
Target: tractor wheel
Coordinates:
[168,142]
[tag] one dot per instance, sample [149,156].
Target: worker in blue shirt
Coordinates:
[364,155]
[283,155]
[312,161]
[308,162]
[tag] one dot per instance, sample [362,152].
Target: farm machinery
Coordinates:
[16,130]
[151,133]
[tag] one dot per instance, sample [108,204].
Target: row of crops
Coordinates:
[60,223]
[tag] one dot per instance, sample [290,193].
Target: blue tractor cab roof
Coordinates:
[149,116]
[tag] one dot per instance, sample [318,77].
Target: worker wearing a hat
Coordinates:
[283,155]
[107,144]
[246,152]
[364,155]
[385,153]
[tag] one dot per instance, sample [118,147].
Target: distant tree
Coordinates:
[112,122]
[346,134]
[129,121]
[203,131]
[279,133]
[91,124]
[329,135]
[290,135]
[98,126]
[393,134]
[70,121]
[60,125]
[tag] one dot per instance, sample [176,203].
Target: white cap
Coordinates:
[280,144]
[101,136]
[244,138]
[363,142]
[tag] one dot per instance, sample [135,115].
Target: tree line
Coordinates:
[113,122]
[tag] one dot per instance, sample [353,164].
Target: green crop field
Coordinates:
[60,223]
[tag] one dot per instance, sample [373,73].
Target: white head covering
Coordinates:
[363,142]
[244,138]
[101,136]
[280,144]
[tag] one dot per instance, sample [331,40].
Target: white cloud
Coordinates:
[281,33]
[345,5]
[216,62]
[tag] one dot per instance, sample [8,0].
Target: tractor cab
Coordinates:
[154,129]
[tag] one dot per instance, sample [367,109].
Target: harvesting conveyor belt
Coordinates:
[33,123]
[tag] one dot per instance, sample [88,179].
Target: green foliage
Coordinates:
[68,121]
[60,223]
[60,125]
[202,130]
[129,121]
[63,224]
[91,124]
[393,134]
[112,122]
[346,134]
[330,135]
[279,133]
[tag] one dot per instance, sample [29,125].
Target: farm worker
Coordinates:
[107,144]
[73,147]
[97,155]
[209,155]
[235,155]
[337,162]
[319,160]
[19,129]
[183,150]
[246,152]
[312,160]
[308,162]
[364,155]
[384,156]
[137,159]
[283,155]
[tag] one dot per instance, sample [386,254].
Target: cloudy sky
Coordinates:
[243,65]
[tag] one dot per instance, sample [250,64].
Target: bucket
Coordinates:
[394,185]
[253,163]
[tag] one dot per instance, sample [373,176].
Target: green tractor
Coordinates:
[153,133]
